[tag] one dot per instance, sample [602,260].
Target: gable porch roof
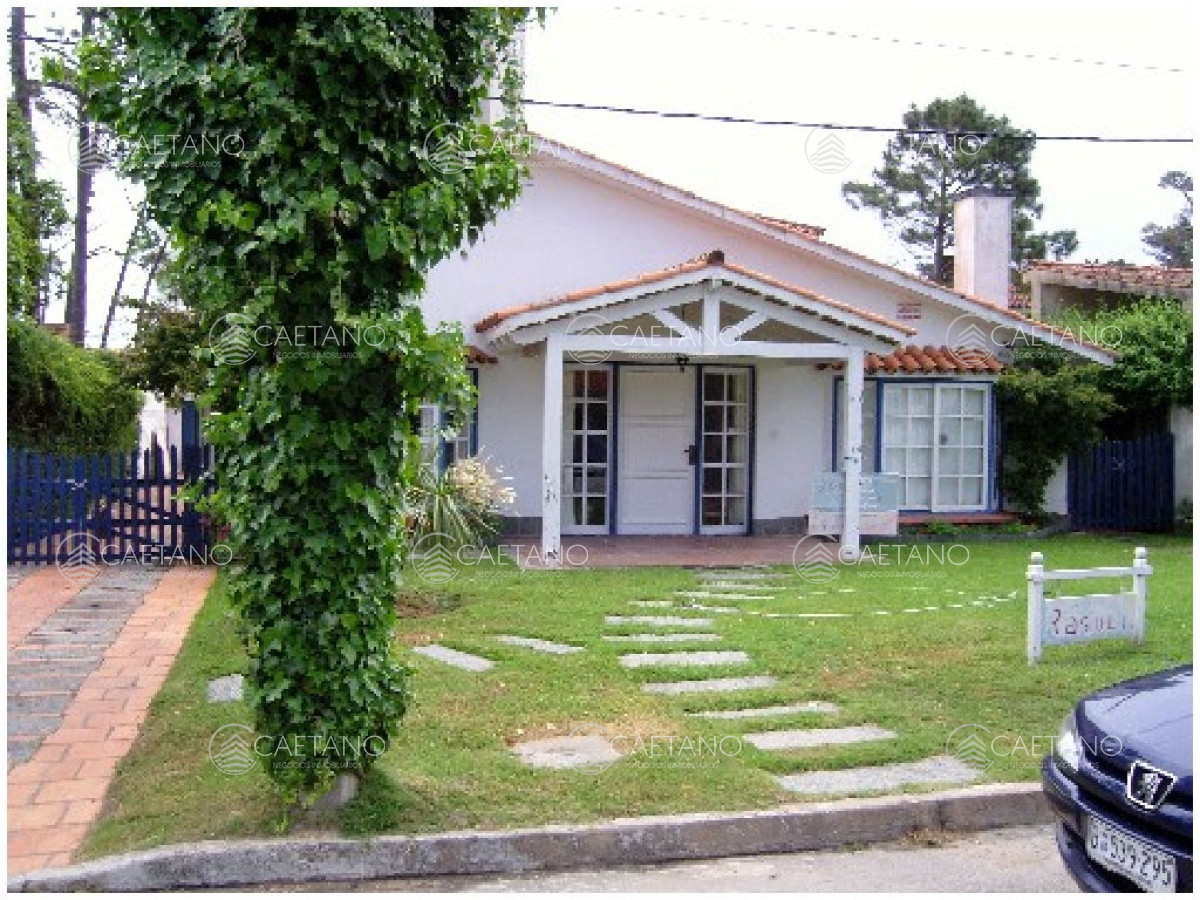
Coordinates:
[711,266]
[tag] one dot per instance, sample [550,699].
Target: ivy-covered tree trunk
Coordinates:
[305,206]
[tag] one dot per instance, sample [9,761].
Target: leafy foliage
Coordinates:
[1047,408]
[66,399]
[1171,245]
[460,504]
[319,211]
[35,212]
[1154,339]
[915,186]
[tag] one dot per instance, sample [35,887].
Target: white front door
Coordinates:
[657,481]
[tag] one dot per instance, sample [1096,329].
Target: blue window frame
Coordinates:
[442,442]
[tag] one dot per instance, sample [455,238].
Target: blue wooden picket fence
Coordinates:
[129,504]
[1123,485]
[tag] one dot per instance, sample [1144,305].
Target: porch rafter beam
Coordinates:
[752,321]
[676,324]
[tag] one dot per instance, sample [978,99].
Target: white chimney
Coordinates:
[983,244]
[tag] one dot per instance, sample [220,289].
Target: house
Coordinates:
[1055,286]
[652,362]
[1058,286]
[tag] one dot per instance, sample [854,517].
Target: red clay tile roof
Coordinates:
[914,360]
[712,259]
[812,232]
[1129,278]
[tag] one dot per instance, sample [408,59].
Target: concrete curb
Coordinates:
[788,829]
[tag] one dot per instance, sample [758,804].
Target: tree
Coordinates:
[316,214]
[35,212]
[1171,245]
[948,147]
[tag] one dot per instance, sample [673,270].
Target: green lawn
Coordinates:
[921,674]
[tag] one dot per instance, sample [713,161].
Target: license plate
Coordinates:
[1120,852]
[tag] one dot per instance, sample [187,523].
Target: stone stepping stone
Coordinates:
[676,621]
[585,752]
[710,685]
[731,586]
[685,658]
[740,575]
[713,609]
[764,712]
[455,658]
[934,770]
[716,595]
[662,638]
[797,739]
[538,644]
[226,689]
[652,604]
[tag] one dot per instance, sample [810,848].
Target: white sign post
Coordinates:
[1089,617]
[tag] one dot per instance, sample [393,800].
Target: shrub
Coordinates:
[66,399]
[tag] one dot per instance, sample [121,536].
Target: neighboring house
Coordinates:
[1057,286]
[651,362]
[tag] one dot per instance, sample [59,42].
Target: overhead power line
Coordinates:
[910,42]
[832,126]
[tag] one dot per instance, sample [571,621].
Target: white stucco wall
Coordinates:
[1056,490]
[793,437]
[1181,428]
[510,426]
[570,232]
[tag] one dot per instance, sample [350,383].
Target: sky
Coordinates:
[779,61]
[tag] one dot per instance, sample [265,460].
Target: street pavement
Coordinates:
[1012,860]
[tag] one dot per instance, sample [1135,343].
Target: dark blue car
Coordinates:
[1120,782]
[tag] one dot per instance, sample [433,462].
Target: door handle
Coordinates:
[691,454]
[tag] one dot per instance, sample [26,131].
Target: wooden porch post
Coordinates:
[552,413]
[848,551]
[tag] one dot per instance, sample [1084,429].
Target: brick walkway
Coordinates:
[34,593]
[56,795]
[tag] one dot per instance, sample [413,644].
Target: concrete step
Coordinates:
[686,658]
[763,712]
[801,738]
[711,685]
[870,779]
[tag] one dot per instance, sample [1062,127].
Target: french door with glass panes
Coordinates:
[936,437]
[587,423]
[725,416]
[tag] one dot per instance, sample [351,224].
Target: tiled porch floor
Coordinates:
[644,550]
